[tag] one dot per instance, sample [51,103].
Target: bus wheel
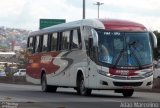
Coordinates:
[81,87]
[128,93]
[45,87]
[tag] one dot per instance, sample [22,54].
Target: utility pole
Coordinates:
[98,4]
[84,9]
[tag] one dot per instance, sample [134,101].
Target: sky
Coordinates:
[25,14]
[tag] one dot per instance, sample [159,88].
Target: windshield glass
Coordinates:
[124,48]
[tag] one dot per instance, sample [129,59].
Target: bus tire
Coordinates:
[45,87]
[81,90]
[128,93]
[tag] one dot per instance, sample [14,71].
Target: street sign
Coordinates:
[50,22]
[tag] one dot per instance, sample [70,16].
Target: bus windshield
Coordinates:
[124,49]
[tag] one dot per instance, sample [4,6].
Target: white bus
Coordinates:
[92,54]
[7,54]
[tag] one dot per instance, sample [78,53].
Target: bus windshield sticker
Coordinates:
[112,33]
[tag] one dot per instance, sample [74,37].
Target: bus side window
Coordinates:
[87,33]
[54,42]
[76,39]
[30,45]
[45,43]
[65,40]
[37,44]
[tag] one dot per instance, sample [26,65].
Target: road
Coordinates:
[30,96]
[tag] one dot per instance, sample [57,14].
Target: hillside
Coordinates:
[11,37]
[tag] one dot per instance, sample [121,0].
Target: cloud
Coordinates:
[146,12]
[12,7]
[140,4]
[26,13]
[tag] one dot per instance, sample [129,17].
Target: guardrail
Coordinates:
[13,79]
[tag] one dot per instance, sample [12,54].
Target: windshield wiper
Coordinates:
[132,52]
[124,49]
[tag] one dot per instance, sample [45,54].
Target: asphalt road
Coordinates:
[30,96]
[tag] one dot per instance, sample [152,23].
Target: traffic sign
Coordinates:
[50,22]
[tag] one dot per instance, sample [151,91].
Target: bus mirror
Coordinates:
[154,39]
[95,37]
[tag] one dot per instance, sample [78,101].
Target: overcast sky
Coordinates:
[25,14]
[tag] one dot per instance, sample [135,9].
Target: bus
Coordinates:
[6,59]
[7,54]
[92,54]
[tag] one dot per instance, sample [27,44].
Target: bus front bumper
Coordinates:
[112,83]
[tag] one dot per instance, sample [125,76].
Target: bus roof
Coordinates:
[108,24]
[122,25]
[86,22]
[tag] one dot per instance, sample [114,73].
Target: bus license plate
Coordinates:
[127,87]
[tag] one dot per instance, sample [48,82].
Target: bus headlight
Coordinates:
[104,73]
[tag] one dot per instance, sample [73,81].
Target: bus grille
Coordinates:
[127,78]
[127,83]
